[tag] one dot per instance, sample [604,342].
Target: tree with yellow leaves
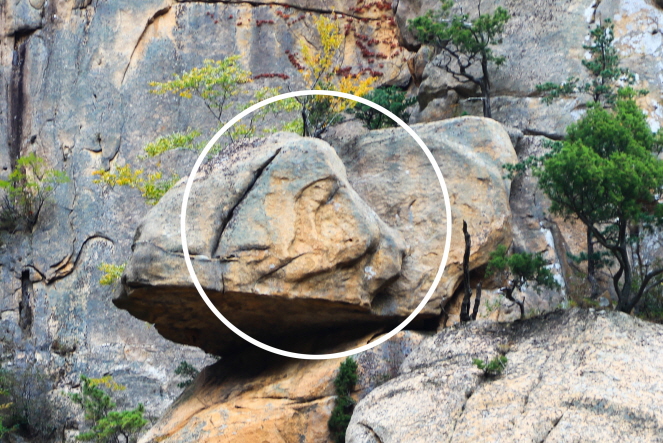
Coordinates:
[318,68]
[215,82]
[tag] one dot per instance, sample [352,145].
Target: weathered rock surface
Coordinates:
[74,90]
[291,235]
[571,376]
[240,400]
[543,42]
[389,170]
[273,226]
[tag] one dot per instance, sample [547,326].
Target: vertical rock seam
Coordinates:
[25,315]
[16,98]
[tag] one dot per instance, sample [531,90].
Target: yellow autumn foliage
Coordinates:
[318,69]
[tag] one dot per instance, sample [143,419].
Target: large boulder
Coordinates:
[272,227]
[571,376]
[388,169]
[291,235]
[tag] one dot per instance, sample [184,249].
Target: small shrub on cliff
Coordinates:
[106,424]
[26,190]
[112,273]
[152,187]
[493,367]
[186,371]
[519,269]
[391,98]
[340,418]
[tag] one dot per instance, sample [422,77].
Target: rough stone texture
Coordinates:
[74,89]
[440,108]
[390,171]
[571,376]
[274,400]
[541,31]
[296,245]
[288,235]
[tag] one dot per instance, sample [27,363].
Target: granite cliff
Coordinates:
[75,90]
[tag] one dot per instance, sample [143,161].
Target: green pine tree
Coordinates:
[464,43]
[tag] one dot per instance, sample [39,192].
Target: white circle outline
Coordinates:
[201,291]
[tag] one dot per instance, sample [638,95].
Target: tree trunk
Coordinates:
[508,293]
[625,304]
[591,265]
[304,122]
[485,90]
[485,87]
[477,300]
[465,307]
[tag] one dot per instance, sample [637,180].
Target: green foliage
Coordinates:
[178,140]
[126,424]
[186,371]
[340,417]
[493,367]
[152,187]
[215,83]
[533,161]
[606,175]
[603,66]
[521,267]
[112,273]
[26,190]
[107,425]
[156,186]
[391,98]
[242,130]
[464,42]
[606,169]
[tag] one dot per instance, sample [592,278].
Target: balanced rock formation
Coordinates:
[275,226]
[279,240]
[571,376]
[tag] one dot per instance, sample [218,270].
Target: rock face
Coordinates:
[388,170]
[290,234]
[74,79]
[571,376]
[538,32]
[290,401]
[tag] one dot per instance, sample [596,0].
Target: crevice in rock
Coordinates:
[261,169]
[283,4]
[25,315]
[372,431]
[595,7]
[17,95]
[536,132]
[555,423]
[279,267]
[66,266]
[160,13]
